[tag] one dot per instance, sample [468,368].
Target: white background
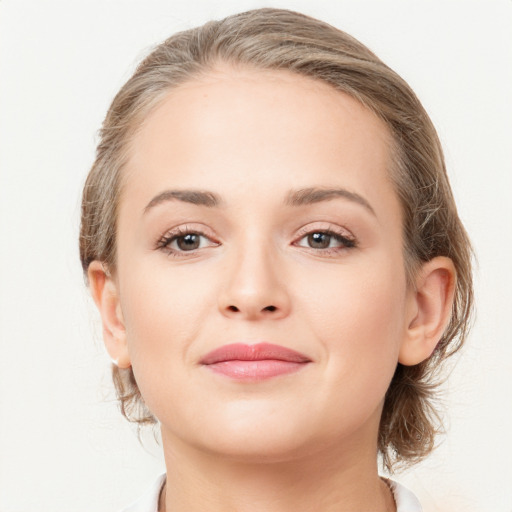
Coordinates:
[63,443]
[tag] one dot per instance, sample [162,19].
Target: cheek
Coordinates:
[359,317]
[163,314]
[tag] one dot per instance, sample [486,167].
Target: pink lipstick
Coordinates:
[254,362]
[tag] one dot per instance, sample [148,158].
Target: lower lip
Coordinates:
[255,370]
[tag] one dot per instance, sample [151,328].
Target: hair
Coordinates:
[275,39]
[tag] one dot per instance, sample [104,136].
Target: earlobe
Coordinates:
[105,294]
[430,310]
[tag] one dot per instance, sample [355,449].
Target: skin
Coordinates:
[302,441]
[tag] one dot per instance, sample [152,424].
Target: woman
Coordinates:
[270,237]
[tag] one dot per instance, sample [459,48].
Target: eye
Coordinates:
[183,240]
[326,241]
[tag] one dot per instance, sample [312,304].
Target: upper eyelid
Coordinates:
[331,228]
[185,229]
[349,240]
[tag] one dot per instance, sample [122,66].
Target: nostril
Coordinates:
[235,309]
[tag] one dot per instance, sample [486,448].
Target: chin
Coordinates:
[257,448]
[269,438]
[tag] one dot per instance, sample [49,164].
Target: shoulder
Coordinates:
[149,501]
[405,500]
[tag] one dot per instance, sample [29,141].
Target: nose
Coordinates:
[254,287]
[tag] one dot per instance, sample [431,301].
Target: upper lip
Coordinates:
[253,352]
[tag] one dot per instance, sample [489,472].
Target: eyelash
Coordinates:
[347,242]
[181,232]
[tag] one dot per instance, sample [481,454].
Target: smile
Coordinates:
[254,362]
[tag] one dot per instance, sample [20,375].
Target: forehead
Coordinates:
[253,130]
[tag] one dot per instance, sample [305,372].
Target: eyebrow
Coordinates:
[316,195]
[294,198]
[197,197]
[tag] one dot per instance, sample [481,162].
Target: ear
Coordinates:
[430,310]
[105,293]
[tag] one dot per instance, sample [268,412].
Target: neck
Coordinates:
[330,481]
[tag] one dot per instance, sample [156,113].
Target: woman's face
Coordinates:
[257,209]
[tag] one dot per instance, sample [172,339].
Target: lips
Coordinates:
[254,362]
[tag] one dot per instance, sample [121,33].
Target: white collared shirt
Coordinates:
[404,498]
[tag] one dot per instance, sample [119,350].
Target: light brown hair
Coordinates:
[274,39]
